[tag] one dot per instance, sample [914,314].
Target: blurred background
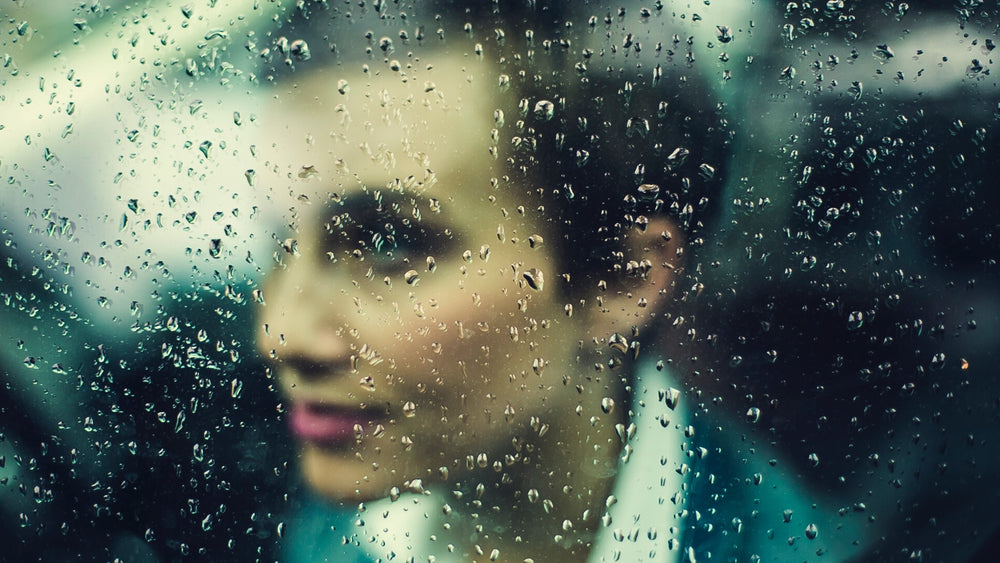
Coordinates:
[846,287]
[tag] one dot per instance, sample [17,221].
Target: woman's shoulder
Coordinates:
[745,501]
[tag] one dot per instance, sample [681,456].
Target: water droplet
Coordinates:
[545,109]
[857,89]
[235,388]
[884,52]
[649,191]
[300,50]
[409,409]
[620,430]
[855,320]
[937,361]
[508,413]
[636,126]
[535,279]
[607,405]
[812,531]
[677,157]
[411,277]
[618,342]
[216,34]
[671,397]
[532,495]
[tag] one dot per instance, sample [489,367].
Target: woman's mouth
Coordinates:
[329,425]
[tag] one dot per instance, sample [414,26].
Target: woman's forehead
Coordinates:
[357,128]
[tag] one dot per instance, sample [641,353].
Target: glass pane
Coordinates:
[507,280]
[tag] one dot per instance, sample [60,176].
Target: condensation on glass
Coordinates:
[498,280]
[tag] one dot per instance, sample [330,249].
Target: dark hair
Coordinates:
[607,152]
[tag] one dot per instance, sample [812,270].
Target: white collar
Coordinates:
[409,528]
[647,521]
[650,492]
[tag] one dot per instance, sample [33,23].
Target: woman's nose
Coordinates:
[299,320]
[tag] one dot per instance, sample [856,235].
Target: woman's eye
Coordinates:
[390,244]
[402,251]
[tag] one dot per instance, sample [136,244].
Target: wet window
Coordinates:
[498,281]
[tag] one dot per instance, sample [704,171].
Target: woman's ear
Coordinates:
[641,289]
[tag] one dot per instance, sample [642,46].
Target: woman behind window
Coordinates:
[473,314]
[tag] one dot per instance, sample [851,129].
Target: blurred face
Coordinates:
[415,321]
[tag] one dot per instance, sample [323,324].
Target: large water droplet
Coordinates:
[409,409]
[535,279]
[607,405]
[545,109]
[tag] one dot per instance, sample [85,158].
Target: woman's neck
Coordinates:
[544,499]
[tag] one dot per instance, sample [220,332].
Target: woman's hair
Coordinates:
[606,153]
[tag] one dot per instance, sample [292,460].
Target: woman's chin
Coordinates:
[339,475]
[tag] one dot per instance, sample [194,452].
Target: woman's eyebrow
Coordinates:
[368,208]
[351,213]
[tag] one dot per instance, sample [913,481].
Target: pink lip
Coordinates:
[313,422]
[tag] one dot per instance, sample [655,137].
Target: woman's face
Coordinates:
[416,320]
